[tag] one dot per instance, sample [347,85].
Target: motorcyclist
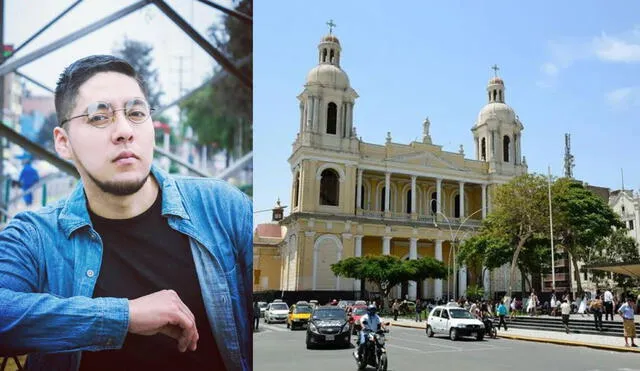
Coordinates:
[370,321]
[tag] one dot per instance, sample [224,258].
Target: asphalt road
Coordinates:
[278,349]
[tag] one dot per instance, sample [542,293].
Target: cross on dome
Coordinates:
[331,25]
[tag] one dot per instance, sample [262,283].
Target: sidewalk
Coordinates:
[552,337]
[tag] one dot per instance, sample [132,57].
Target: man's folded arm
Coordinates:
[32,321]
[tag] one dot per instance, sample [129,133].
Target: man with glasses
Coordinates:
[137,269]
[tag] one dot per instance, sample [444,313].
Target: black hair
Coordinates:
[82,70]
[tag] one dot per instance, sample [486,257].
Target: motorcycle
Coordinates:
[375,353]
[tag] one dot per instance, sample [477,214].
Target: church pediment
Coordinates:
[425,159]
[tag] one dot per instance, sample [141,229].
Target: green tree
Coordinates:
[221,113]
[520,213]
[387,271]
[580,219]
[616,248]
[139,55]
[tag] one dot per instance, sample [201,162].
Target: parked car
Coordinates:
[454,322]
[276,312]
[299,315]
[263,307]
[329,325]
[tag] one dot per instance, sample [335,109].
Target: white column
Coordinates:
[438,197]
[359,190]
[350,117]
[462,281]
[484,201]
[358,253]
[308,112]
[437,286]
[489,201]
[413,195]
[315,268]
[461,194]
[486,282]
[387,191]
[315,123]
[413,255]
[386,245]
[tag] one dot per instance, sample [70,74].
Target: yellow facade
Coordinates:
[352,198]
[267,259]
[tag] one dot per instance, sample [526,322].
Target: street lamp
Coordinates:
[454,240]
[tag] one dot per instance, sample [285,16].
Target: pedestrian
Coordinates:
[582,308]
[533,303]
[608,304]
[28,177]
[502,312]
[418,311]
[596,309]
[136,268]
[396,309]
[514,307]
[565,310]
[627,312]
[256,315]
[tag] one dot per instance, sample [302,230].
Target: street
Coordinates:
[276,348]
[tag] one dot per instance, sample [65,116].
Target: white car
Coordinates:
[276,312]
[454,322]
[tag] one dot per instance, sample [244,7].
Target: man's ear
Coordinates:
[62,143]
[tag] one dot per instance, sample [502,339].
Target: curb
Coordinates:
[546,340]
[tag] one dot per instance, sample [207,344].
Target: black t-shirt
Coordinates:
[140,256]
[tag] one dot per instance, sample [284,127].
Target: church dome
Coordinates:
[328,75]
[330,38]
[498,110]
[496,80]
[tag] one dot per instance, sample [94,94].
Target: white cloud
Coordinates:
[614,49]
[620,48]
[549,69]
[623,98]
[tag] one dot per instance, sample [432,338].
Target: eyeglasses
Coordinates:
[101,114]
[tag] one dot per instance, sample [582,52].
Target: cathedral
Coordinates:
[410,200]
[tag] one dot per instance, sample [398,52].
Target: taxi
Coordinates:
[299,315]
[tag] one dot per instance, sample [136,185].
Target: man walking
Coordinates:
[395,308]
[627,312]
[565,309]
[502,312]
[608,304]
[418,311]
[256,315]
[596,309]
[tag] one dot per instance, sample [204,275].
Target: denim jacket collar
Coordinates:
[74,214]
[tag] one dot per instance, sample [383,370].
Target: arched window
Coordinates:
[494,95]
[382,198]
[434,202]
[506,144]
[409,202]
[500,95]
[483,149]
[362,197]
[329,187]
[324,55]
[456,207]
[296,190]
[331,56]
[332,115]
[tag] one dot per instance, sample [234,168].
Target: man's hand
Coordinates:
[164,312]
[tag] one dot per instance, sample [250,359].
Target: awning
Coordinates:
[631,269]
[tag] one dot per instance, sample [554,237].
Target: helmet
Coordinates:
[371,309]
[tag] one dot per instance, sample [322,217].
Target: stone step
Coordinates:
[555,324]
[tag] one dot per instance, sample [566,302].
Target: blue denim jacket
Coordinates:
[50,261]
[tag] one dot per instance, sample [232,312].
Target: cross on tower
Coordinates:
[495,69]
[331,25]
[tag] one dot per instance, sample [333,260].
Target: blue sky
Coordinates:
[568,67]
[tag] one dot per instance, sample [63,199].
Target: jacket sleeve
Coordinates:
[36,321]
[244,238]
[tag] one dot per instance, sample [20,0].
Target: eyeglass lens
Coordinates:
[101,113]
